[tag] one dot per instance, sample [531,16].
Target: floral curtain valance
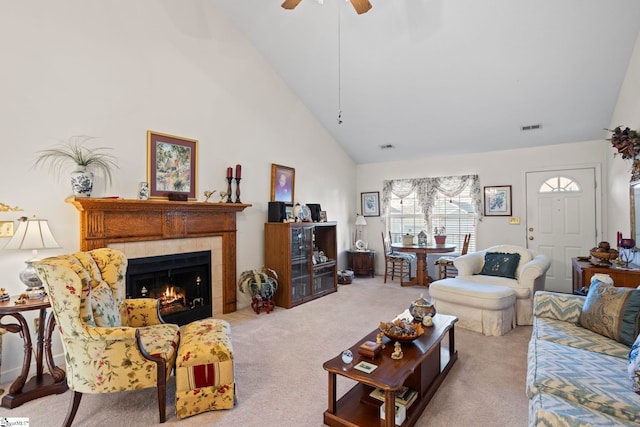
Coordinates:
[427,188]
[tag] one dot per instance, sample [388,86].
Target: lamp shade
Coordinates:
[360,220]
[33,234]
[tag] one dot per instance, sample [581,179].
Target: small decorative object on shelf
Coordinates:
[238,176]
[369,349]
[397,351]
[427,321]
[421,308]
[401,330]
[422,238]
[604,253]
[229,180]
[208,194]
[4,296]
[627,251]
[347,357]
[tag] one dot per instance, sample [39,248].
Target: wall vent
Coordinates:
[531,127]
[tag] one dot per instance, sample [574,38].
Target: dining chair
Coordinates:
[396,263]
[445,263]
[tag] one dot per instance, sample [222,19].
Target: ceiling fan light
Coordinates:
[290,4]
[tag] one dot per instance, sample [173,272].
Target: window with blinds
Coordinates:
[456,214]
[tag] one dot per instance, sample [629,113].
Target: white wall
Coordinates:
[494,168]
[117,69]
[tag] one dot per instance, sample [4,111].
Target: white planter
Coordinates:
[82,182]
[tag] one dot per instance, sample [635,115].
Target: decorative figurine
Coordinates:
[427,321]
[379,339]
[223,195]
[4,296]
[208,195]
[397,351]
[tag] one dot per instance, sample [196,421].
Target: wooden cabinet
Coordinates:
[295,251]
[583,271]
[361,262]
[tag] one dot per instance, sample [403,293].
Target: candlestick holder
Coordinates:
[229,179]
[238,190]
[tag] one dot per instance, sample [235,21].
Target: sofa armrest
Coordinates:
[535,268]
[554,305]
[469,264]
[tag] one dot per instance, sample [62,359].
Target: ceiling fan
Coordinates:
[361,6]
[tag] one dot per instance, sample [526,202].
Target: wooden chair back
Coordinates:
[465,245]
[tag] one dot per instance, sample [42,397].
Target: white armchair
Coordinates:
[530,276]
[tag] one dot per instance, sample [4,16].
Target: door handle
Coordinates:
[530,237]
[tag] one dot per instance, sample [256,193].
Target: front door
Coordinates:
[561,219]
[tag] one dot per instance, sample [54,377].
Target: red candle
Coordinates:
[238,170]
[229,172]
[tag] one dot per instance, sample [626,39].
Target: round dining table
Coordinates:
[422,276]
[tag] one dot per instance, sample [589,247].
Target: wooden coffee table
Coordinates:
[426,362]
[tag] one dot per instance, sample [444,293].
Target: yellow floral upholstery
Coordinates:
[136,351]
[204,368]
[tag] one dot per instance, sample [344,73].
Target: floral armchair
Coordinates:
[110,343]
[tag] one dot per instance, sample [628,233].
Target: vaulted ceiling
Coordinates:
[436,77]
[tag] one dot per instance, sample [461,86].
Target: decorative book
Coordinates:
[405,396]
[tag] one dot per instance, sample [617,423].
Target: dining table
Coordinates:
[422,276]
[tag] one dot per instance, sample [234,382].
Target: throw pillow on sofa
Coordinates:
[634,365]
[499,264]
[611,311]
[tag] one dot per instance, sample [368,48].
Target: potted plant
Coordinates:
[261,284]
[439,235]
[82,157]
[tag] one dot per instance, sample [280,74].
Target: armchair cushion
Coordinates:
[500,264]
[634,365]
[611,311]
[105,309]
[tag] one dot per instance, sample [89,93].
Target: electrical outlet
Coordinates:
[36,324]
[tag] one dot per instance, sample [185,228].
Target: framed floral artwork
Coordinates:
[497,200]
[370,203]
[172,163]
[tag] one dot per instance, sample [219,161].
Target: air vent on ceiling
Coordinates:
[386,146]
[531,127]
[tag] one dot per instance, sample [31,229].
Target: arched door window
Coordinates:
[559,183]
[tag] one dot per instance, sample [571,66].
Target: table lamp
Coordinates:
[32,234]
[360,222]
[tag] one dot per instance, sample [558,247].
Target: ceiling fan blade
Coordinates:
[361,6]
[290,4]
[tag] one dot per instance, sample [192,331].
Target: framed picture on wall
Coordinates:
[282,184]
[172,163]
[370,203]
[497,200]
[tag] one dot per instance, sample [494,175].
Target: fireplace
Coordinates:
[181,282]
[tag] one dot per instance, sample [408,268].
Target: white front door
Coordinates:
[561,219]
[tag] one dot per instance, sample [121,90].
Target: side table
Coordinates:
[42,384]
[361,262]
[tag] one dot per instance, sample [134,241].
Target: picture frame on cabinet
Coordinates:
[497,200]
[172,163]
[323,216]
[282,184]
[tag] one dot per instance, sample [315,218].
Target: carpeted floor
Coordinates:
[280,380]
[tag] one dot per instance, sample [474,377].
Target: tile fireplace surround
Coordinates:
[142,228]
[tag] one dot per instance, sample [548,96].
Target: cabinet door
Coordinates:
[301,243]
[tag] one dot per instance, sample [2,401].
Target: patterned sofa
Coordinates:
[576,377]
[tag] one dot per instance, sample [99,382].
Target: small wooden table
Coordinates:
[425,364]
[361,262]
[422,276]
[42,384]
[583,271]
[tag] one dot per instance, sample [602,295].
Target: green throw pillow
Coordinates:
[611,311]
[500,264]
[106,312]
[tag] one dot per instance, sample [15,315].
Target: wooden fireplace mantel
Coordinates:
[105,221]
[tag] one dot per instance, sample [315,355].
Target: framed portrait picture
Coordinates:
[323,216]
[370,203]
[282,184]
[172,163]
[497,200]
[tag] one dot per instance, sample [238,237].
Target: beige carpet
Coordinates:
[280,380]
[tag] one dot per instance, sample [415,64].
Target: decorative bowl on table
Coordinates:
[603,253]
[401,330]
[421,308]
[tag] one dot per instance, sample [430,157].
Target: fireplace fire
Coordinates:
[181,282]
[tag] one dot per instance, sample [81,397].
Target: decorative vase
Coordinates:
[440,240]
[82,182]
[143,191]
[421,308]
